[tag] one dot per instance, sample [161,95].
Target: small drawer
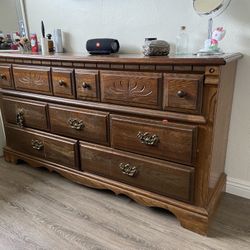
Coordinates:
[171,141]
[25,113]
[153,175]
[52,148]
[33,79]
[63,82]
[6,80]
[79,123]
[183,92]
[132,88]
[87,84]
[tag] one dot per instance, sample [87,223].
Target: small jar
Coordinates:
[147,43]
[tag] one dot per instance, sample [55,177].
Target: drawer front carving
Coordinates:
[87,84]
[56,149]
[174,142]
[33,79]
[161,177]
[82,124]
[5,76]
[183,92]
[25,113]
[63,82]
[131,88]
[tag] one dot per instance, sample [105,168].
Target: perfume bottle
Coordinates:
[50,43]
[182,42]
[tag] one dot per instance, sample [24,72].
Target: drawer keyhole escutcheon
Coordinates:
[86,85]
[20,118]
[181,94]
[61,83]
[127,169]
[76,124]
[3,77]
[37,145]
[147,138]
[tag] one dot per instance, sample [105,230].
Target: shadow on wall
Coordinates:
[67,42]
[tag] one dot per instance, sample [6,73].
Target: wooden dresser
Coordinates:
[152,128]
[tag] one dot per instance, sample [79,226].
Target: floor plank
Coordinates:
[42,210]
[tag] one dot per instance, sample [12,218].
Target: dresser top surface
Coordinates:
[127,58]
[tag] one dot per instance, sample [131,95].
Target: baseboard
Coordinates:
[238,187]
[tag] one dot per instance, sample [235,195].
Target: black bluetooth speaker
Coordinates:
[102,46]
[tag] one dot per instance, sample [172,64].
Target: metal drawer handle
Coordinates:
[20,118]
[86,85]
[181,94]
[3,77]
[76,124]
[61,83]
[36,144]
[127,169]
[147,138]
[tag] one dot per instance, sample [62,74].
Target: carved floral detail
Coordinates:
[130,89]
[32,78]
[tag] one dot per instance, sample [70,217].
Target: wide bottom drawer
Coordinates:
[56,149]
[154,175]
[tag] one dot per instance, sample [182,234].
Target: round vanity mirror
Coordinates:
[210,7]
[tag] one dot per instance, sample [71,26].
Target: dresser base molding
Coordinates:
[191,217]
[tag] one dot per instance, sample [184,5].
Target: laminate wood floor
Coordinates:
[42,210]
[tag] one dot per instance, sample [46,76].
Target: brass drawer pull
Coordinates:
[86,85]
[181,94]
[20,118]
[148,139]
[75,123]
[127,169]
[61,83]
[3,77]
[36,144]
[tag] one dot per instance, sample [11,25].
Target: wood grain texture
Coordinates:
[183,92]
[63,82]
[33,79]
[43,145]
[176,142]
[94,124]
[40,210]
[171,116]
[87,85]
[33,114]
[131,88]
[6,79]
[161,177]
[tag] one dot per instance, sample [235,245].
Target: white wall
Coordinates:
[131,21]
[8,16]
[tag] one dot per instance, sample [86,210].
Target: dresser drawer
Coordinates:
[6,80]
[161,177]
[56,149]
[174,142]
[79,123]
[33,79]
[63,82]
[183,92]
[132,88]
[25,113]
[87,84]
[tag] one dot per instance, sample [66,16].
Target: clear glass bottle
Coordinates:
[182,42]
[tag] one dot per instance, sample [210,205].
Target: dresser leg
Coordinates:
[10,157]
[193,222]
